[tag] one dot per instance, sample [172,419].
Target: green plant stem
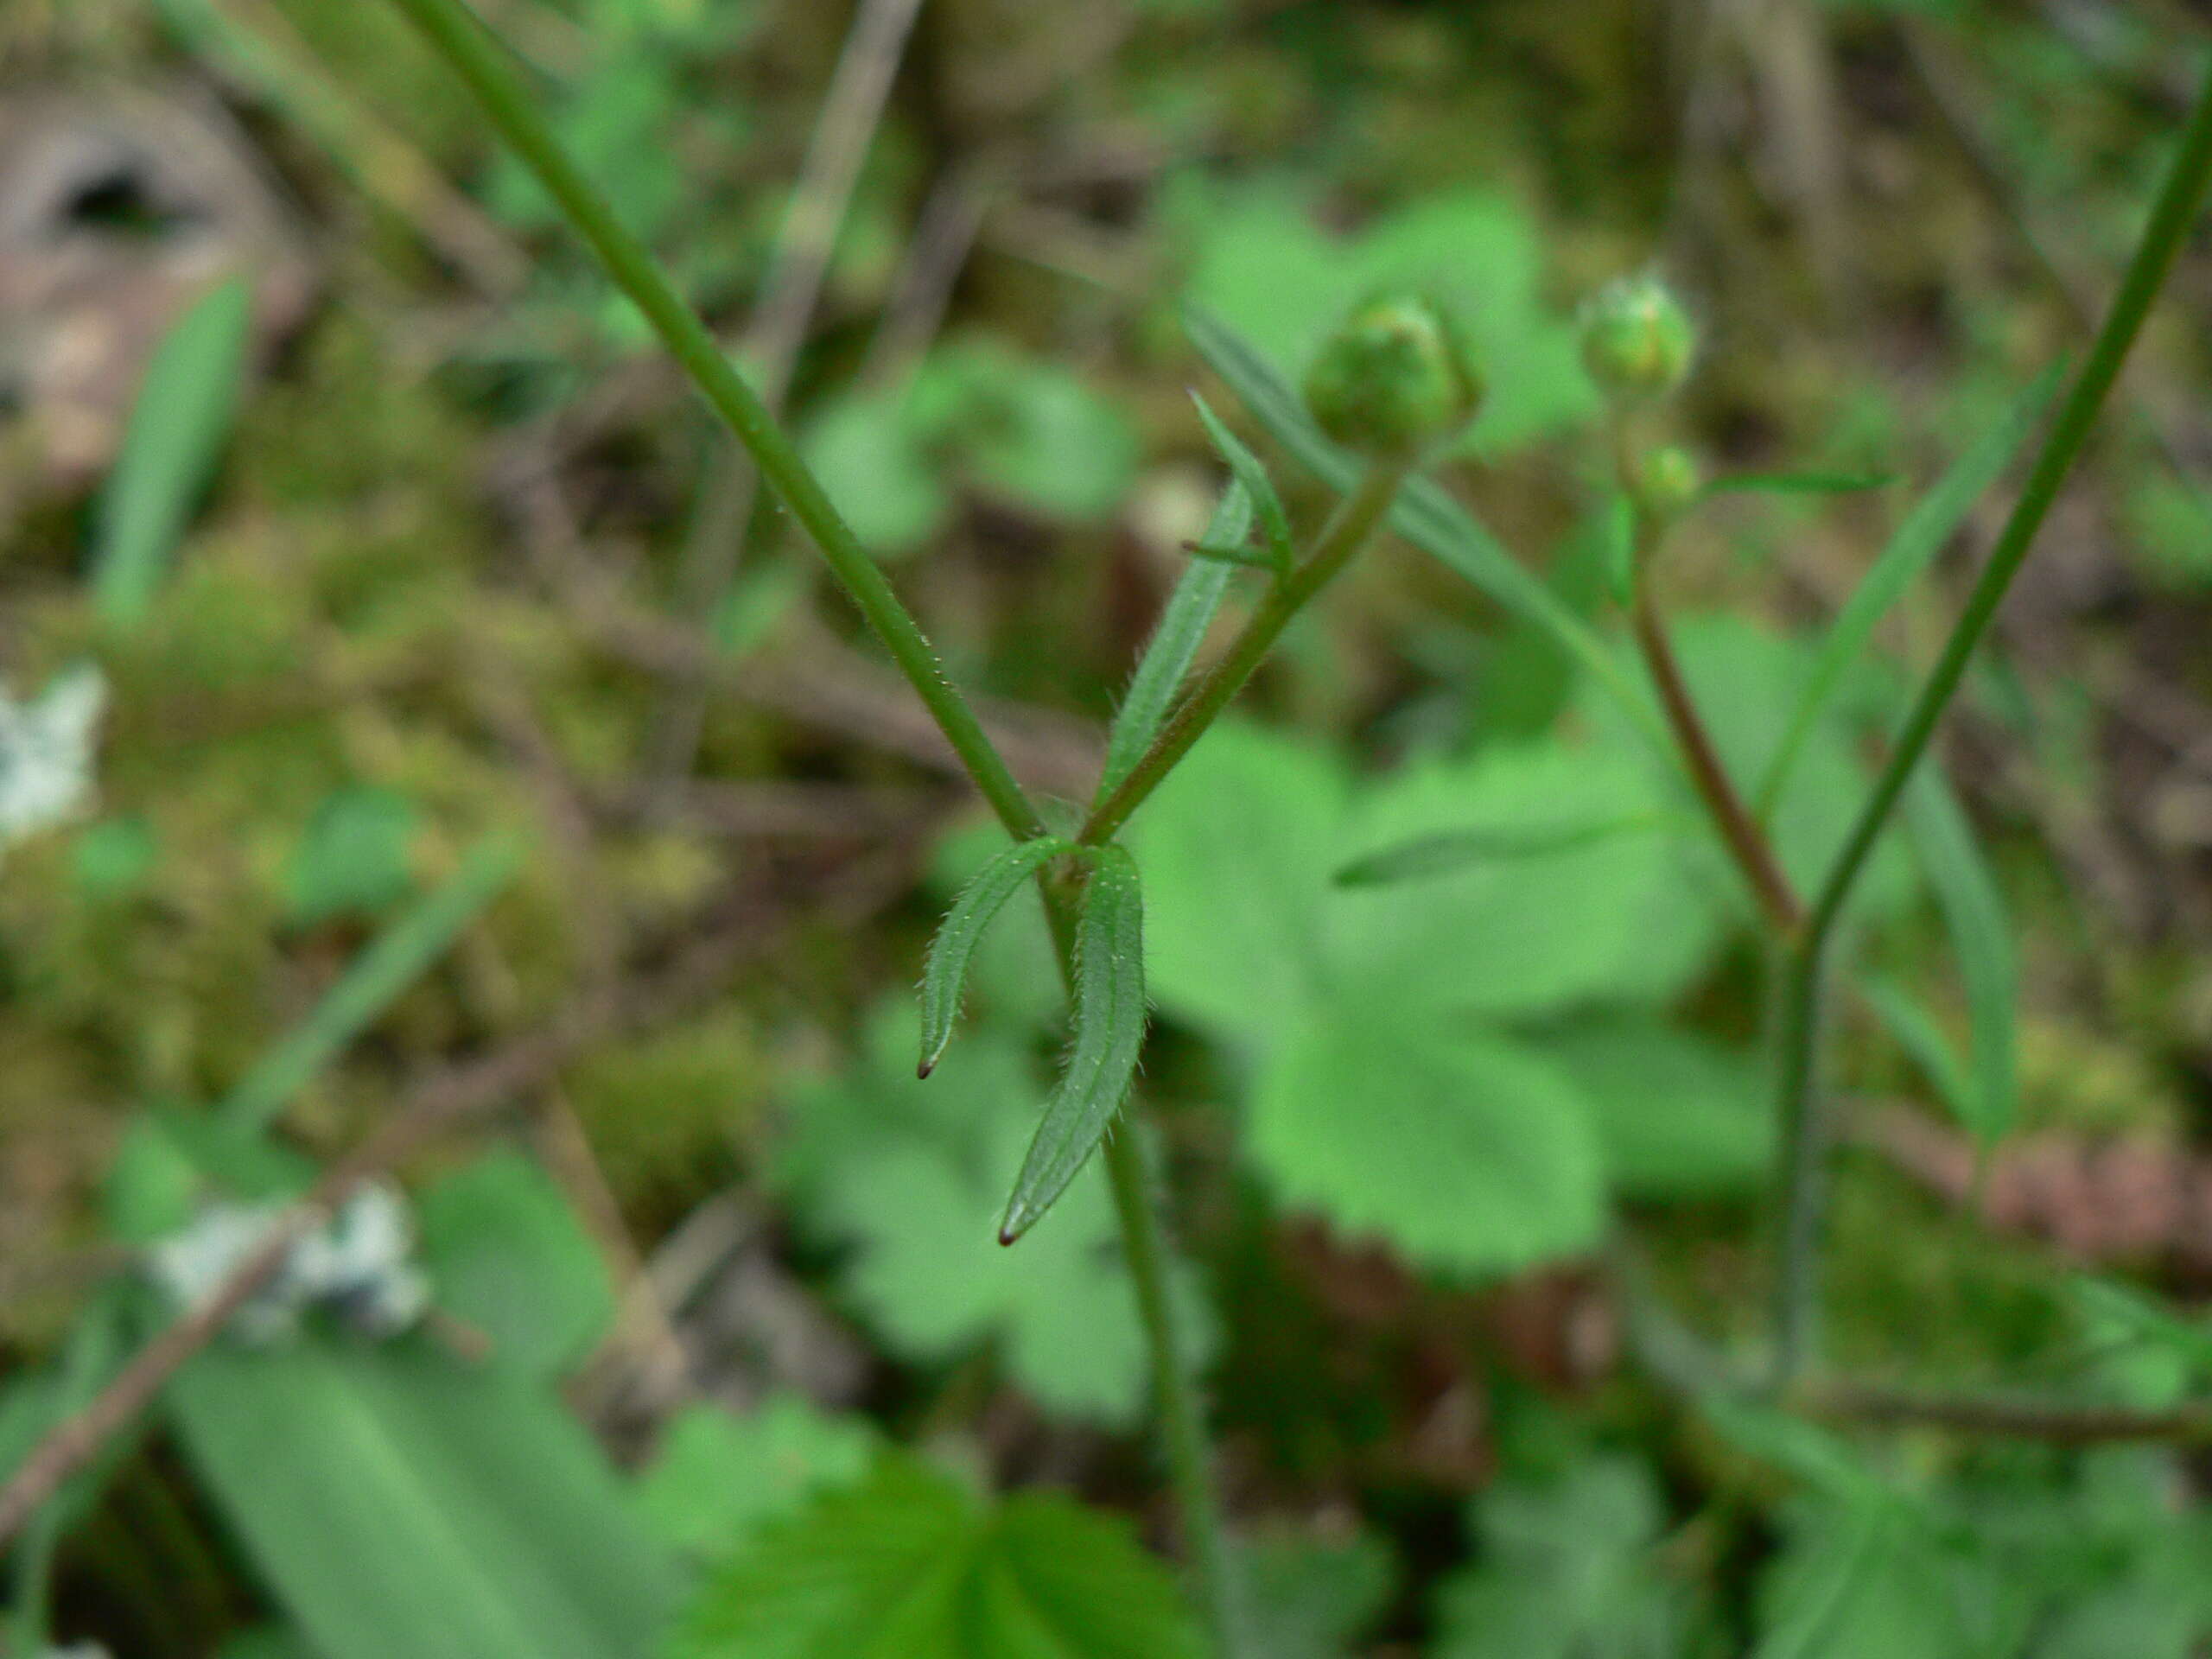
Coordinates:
[1803,1132]
[473,53]
[1739,832]
[1348,529]
[1182,1424]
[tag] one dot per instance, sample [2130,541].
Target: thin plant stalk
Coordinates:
[1350,528]
[1804,1131]
[473,55]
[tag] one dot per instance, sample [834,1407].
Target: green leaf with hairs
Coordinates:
[1167,655]
[1923,534]
[1246,468]
[954,947]
[1109,1025]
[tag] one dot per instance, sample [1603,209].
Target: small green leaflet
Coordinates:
[719,1476]
[1425,514]
[979,902]
[1183,624]
[177,428]
[912,1565]
[1110,1023]
[1455,850]
[1245,467]
[1982,933]
[1922,535]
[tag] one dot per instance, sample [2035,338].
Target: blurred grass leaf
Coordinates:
[1798,483]
[944,975]
[1981,935]
[177,429]
[910,1564]
[394,960]
[1925,1042]
[1451,850]
[1259,489]
[396,1502]
[1926,530]
[508,1258]
[1109,1025]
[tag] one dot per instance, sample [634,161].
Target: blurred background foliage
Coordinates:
[470,560]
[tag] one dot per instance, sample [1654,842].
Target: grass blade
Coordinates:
[1923,1041]
[1982,933]
[1918,539]
[1424,515]
[945,974]
[177,428]
[1110,1022]
[1798,483]
[394,960]
[1451,850]
[1244,467]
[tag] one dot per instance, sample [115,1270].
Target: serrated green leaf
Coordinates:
[378,977]
[1248,470]
[1453,850]
[911,1566]
[395,1501]
[1679,1116]
[1981,935]
[909,1176]
[945,975]
[1468,1151]
[1566,1571]
[1110,1016]
[508,1258]
[1424,515]
[718,1476]
[1922,535]
[1174,644]
[177,429]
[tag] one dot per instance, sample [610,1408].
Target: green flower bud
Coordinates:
[1397,376]
[1665,481]
[1636,340]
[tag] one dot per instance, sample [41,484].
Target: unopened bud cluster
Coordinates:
[1638,341]
[1395,377]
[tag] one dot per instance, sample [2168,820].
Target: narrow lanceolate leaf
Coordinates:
[1245,467]
[962,930]
[177,429]
[1453,850]
[1424,515]
[1109,1019]
[1922,535]
[1916,1031]
[1798,483]
[1167,655]
[1982,933]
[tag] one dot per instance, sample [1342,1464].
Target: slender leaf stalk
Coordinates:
[1804,1134]
[473,55]
[1356,519]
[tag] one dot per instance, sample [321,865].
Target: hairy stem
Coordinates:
[457,35]
[2176,208]
[1356,519]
